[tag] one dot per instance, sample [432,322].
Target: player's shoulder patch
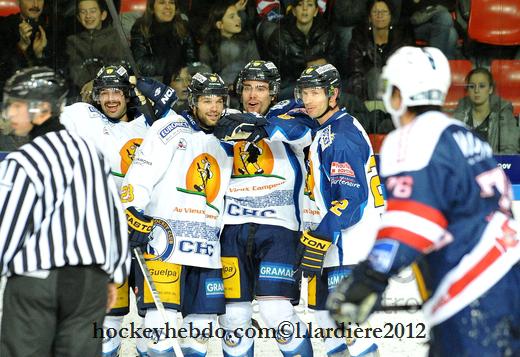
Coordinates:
[410,148]
[168,129]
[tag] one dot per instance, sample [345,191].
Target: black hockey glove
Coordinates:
[358,295]
[163,96]
[241,126]
[312,250]
[139,227]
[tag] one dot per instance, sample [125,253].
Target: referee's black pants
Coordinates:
[54,316]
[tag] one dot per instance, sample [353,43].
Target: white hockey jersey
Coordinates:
[179,176]
[267,182]
[117,141]
[343,196]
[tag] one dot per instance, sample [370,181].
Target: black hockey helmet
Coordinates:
[318,76]
[258,70]
[35,85]
[111,77]
[207,84]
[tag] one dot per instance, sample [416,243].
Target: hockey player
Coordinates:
[115,123]
[344,200]
[117,128]
[263,217]
[449,202]
[179,177]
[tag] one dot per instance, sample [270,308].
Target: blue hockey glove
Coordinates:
[163,96]
[358,295]
[139,227]
[241,126]
[312,250]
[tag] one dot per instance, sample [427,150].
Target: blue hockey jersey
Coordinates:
[449,200]
[343,199]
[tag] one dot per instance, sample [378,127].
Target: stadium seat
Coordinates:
[506,74]
[133,6]
[8,7]
[459,71]
[495,22]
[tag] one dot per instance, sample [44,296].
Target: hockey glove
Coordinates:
[358,295]
[241,126]
[312,251]
[139,227]
[163,96]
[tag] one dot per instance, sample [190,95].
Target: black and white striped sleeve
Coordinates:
[18,199]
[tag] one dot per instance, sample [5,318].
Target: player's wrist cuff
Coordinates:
[315,243]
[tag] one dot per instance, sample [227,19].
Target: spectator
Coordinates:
[24,38]
[179,80]
[227,48]
[95,46]
[345,15]
[489,115]
[303,37]
[432,22]
[372,43]
[161,39]
[198,10]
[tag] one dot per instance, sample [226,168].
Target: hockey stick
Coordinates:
[155,295]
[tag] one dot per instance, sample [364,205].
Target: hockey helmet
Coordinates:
[207,84]
[111,77]
[318,76]
[258,70]
[36,85]
[422,75]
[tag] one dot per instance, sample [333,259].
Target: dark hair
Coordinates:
[102,5]
[213,37]
[484,71]
[372,3]
[179,25]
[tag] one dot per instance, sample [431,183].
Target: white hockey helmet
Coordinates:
[421,74]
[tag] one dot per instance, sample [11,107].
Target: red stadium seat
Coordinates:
[8,7]
[376,140]
[133,6]
[506,74]
[459,71]
[495,22]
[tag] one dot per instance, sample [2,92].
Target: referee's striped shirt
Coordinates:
[59,207]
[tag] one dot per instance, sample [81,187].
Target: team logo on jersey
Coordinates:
[162,240]
[250,159]
[309,180]
[127,153]
[203,178]
[327,137]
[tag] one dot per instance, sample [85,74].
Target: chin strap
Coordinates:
[329,108]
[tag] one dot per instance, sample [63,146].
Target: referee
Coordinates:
[63,238]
